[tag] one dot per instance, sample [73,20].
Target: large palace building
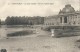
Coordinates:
[66,17]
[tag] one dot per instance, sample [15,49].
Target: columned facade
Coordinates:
[67,17]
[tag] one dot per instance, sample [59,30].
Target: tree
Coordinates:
[0,21]
[7,21]
[22,20]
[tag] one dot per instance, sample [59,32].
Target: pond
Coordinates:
[15,30]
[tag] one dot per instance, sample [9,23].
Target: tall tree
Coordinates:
[8,21]
[0,21]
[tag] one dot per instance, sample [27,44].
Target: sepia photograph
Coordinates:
[39,25]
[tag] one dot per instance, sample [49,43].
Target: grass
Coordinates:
[62,27]
[78,41]
[64,31]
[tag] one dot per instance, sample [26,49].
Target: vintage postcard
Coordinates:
[39,25]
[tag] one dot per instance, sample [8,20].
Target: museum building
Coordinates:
[66,17]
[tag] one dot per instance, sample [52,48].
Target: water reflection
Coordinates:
[20,33]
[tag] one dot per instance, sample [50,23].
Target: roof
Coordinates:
[67,9]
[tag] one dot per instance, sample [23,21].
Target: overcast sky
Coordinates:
[7,8]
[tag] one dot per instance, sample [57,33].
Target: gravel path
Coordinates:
[40,44]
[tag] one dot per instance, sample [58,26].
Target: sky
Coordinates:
[26,8]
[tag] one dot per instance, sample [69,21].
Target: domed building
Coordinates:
[67,9]
[66,17]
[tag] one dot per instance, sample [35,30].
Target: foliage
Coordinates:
[0,21]
[24,20]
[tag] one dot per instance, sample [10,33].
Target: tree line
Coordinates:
[0,21]
[24,20]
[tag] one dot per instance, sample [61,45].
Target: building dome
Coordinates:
[67,9]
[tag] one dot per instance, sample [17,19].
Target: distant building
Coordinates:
[67,16]
[51,20]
